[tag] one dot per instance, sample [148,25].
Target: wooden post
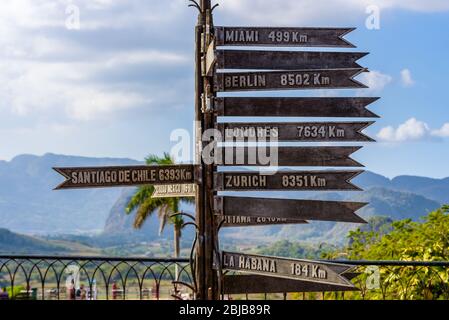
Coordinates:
[206,276]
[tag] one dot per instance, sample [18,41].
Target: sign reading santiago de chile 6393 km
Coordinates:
[98,177]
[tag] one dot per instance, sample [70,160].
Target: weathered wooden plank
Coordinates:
[272,36]
[312,210]
[247,284]
[286,60]
[294,107]
[286,180]
[298,131]
[174,191]
[288,80]
[305,270]
[100,177]
[287,156]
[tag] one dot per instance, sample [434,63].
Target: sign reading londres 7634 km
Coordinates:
[99,177]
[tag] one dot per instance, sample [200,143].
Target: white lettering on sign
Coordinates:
[257,264]
[174,190]
[252,132]
[129,176]
[253,220]
[320,131]
[308,270]
[245,81]
[287,36]
[246,181]
[304,79]
[242,36]
[293,181]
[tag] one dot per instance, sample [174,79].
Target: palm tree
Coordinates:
[165,207]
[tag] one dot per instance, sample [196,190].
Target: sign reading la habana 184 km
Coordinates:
[100,177]
[306,270]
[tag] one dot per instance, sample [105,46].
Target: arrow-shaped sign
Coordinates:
[286,180]
[294,37]
[247,284]
[300,131]
[305,270]
[288,80]
[247,221]
[286,60]
[100,177]
[294,107]
[287,156]
[174,191]
[289,209]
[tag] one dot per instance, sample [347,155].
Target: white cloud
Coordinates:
[291,11]
[406,78]
[375,80]
[442,132]
[412,130]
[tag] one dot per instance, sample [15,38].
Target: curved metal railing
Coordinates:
[108,278]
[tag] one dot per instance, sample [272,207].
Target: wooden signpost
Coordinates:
[286,180]
[247,284]
[293,107]
[305,270]
[256,70]
[288,80]
[289,209]
[301,132]
[288,156]
[286,37]
[174,191]
[102,177]
[286,60]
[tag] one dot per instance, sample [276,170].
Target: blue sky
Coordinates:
[122,82]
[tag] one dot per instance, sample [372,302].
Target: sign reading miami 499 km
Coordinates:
[99,177]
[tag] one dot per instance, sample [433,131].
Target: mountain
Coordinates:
[28,203]
[11,242]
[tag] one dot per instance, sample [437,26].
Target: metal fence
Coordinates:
[94,278]
[107,278]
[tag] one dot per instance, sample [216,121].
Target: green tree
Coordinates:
[406,240]
[146,205]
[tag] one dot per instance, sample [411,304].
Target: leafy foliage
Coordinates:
[405,240]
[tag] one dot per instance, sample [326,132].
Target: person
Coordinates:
[83,292]
[71,290]
[114,290]
[4,295]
